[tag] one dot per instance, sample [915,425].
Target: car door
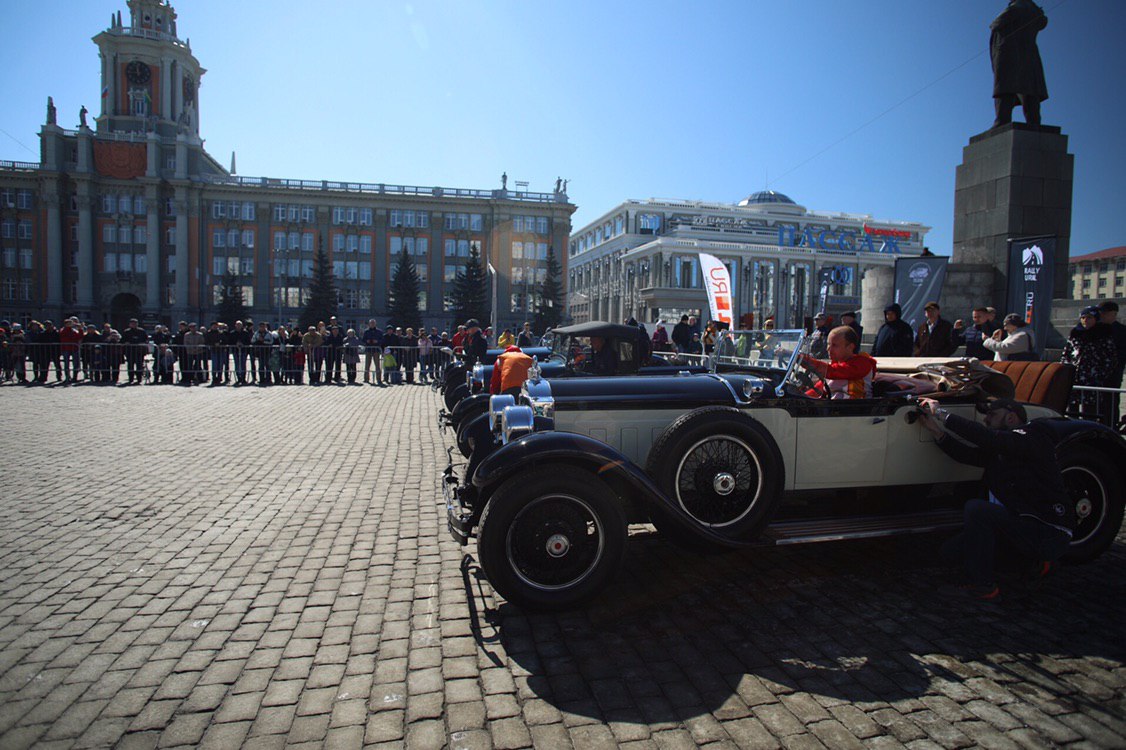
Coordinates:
[840,444]
[913,457]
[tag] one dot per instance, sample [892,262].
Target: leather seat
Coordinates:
[1044,383]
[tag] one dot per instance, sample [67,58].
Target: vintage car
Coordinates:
[728,460]
[570,354]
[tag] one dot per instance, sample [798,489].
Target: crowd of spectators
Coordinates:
[240,354]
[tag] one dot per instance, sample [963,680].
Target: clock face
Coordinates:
[138,72]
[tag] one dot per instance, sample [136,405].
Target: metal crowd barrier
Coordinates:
[1097,404]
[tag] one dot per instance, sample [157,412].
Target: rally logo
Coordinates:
[1033,256]
[1033,260]
[919,273]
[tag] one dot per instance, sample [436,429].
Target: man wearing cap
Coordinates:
[849,319]
[934,336]
[473,345]
[819,339]
[895,338]
[1027,505]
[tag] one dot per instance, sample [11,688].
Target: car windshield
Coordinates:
[762,349]
[800,375]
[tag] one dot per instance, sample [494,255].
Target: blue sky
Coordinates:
[706,101]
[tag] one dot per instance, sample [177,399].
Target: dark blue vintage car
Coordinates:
[722,460]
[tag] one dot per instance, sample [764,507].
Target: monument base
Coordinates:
[1014,181]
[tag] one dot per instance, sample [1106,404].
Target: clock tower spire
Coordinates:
[150,78]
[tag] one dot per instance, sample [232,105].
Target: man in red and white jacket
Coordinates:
[848,373]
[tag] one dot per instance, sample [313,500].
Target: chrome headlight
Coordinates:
[537,394]
[516,421]
[496,410]
[753,387]
[477,378]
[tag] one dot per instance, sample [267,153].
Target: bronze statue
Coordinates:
[504,181]
[1017,70]
[52,114]
[82,117]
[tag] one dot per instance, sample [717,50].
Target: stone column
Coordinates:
[54,245]
[153,154]
[877,290]
[85,156]
[85,298]
[152,249]
[166,89]
[177,91]
[181,204]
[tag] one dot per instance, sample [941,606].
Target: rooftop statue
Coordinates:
[1017,70]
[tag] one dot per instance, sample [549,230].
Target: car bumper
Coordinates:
[459,520]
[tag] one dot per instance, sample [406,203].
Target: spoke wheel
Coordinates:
[555,542]
[551,538]
[1094,487]
[718,480]
[1088,493]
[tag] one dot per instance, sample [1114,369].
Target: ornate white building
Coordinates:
[639,259]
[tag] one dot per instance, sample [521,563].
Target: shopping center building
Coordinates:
[640,258]
[128,215]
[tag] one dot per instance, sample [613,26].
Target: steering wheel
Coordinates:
[807,379]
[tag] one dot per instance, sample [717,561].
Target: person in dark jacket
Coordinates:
[895,338]
[1090,349]
[136,341]
[934,335]
[1027,505]
[849,319]
[213,338]
[971,335]
[819,339]
[1108,315]
[526,337]
[473,345]
[335,356]
[240,342]
[682,334]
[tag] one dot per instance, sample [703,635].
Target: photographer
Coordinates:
[1027,503]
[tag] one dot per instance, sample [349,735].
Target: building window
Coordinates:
[307,242]
[475,222]
[109,233]
[218,265]
[218,238]
[279,240]
[170,162]
[449,248]
[9,257]
[365,244]
[125,262]
[649,223]
[109,204]
[110,263]
[248,237]
[541,225]
[125,235]
[365,217]
[246,266]
[541,251]
[9,289]
[23,199]
[396,219]
[279,213]
[307,214]
[8,229]
[423,221]
[449,272]
[218,210]
[6,199]
[337,243]
[352,215]
[169,236]
[141,263]
[352,243]
[294,240]
[140,235]
[25,290]
[365,270]
[232,238]
[25,230]
[248,211]
[169,207]
[338,215]
[518,249]
[517,223]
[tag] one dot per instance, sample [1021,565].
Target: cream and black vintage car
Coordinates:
[734,459]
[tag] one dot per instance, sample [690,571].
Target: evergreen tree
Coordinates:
[402,307]
[550,309]
[231,305]
[321,302]
[469,295]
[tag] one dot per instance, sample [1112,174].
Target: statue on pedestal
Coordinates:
[504,181]
[82,117]
[1017,70]
[52,114]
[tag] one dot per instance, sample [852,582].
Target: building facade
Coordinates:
[129,216]
[640,259]
[1098,276]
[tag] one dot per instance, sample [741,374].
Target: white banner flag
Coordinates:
[718,283]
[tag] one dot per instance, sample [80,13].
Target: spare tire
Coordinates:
[722,468]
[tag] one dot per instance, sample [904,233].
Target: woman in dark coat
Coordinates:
[1090,349]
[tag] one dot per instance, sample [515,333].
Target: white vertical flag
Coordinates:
[718,283]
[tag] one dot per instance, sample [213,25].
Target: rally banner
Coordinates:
[718,283]
[1031,282]
[917,282]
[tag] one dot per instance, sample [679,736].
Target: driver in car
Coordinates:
[603,357]
[848,373]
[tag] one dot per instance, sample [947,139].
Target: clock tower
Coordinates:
[150,78]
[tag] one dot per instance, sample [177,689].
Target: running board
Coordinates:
[859,527]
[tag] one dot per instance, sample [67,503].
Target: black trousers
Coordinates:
[987,525]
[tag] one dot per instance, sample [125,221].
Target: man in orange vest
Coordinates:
[510,371]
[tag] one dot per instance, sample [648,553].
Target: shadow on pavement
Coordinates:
[678,636]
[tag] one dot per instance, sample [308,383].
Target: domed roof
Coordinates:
[766,196]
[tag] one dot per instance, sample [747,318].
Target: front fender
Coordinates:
[626,479]
[1069,432]
[467,405]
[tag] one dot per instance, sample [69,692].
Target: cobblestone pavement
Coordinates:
[270,567]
